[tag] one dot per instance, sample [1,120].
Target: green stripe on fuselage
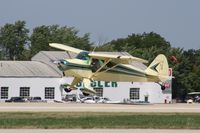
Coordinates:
[75,66]
[118,69]
[128,71]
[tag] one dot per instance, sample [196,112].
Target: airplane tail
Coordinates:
[159,67]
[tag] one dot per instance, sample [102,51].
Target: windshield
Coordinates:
[83,56]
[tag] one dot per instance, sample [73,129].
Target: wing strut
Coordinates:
[103,67]
[74,82]
[68,54]
[107,61]
[105,70]
[109,68]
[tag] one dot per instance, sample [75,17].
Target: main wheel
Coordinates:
[67,90]
[85,94]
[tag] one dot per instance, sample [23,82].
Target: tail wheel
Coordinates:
[162,87]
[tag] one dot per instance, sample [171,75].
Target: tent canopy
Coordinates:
[193,93]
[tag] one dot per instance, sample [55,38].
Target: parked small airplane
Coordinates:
[88,66]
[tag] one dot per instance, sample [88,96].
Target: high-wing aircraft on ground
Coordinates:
[88,66]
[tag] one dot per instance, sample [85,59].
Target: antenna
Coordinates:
[101,41]
[94,49]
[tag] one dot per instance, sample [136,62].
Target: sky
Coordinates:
[178,21]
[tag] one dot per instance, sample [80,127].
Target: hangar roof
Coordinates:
[48,57]
[26,69]
[42,65]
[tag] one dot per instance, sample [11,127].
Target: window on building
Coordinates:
[135,93]
[99,92]
[49,92]
[24,92]
[4,92]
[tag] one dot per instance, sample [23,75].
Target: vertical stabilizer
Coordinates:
[159,67]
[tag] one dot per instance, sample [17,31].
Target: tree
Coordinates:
[43,35]
[145,40]
[185,64]
[40,39]
[13,38]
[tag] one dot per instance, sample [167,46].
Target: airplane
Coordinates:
[89,66]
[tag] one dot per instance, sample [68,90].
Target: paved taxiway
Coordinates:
[96,131]
[78,107]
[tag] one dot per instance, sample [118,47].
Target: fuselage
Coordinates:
[84,67]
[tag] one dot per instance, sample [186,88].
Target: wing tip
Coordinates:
[53,44]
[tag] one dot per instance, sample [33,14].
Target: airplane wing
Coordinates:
[66,48]
[124,59]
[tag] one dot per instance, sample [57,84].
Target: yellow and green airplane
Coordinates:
[89,66]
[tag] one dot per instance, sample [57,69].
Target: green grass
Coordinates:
[99,120]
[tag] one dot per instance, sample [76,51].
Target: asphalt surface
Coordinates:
[78,107]
[96,131]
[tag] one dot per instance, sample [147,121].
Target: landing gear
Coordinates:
[67,90]
[85,94]
[162,86]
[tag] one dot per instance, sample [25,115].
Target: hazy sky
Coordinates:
[178,21]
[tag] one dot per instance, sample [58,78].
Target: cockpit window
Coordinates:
[83,56]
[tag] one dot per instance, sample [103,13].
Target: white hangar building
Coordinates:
[41,77]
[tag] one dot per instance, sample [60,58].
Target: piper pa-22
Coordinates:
[89,66]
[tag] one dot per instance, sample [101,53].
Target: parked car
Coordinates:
[35,99]
[16,99]
[70,97]
[190,101]
[88,100]
[107,100]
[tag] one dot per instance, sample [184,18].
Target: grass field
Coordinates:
[99,120]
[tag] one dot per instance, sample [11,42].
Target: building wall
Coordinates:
[115,91]
[37,86]
[151,90]
[121,90]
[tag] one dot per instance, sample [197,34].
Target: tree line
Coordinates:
[185,63]
[18,43]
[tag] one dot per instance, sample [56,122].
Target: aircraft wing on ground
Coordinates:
[124,59]
[66,48]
